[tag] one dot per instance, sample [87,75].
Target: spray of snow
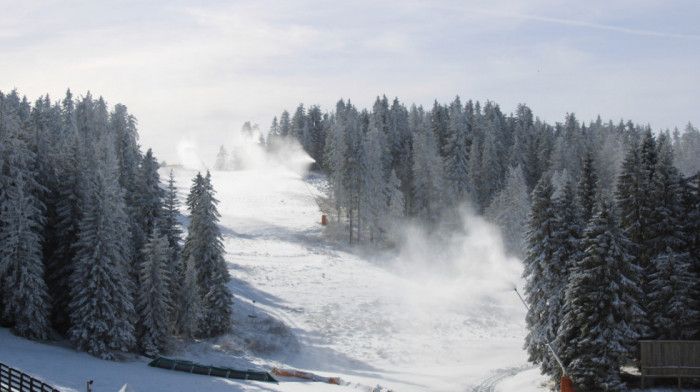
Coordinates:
[246,152]
[465,268]
[187,152]
[249,153]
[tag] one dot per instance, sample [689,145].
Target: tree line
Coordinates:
[90,245]
[606,216]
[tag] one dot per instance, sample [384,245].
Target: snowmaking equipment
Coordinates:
[567,384]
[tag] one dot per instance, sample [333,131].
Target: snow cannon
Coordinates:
[566,384]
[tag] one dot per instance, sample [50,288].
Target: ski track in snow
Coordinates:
[490,383]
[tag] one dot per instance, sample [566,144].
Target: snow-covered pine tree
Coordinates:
[24,301]
[153,299]
[603,315]
[274,137]
[352,152]
[490,169]
[102,312]
[315,136]
[428,182]
[524,150]
[373,188]
[189,304]
[673,313]
[396,201]
[673,307]
[538,287]
[64,226]
[438,123]
[688,151]
[401,144]
[221,159]
[381,120]
[568,234]
[633,201]
[196,190]
[457,156]
[149,195]
[128,154]
[170,228]
[204,246]
[299,126]
[285,124]
[587,187]
[510,210]
[333,157]
[691,208]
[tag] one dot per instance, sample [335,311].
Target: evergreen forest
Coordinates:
[91,247]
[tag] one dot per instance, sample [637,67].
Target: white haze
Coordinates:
[246,152]
[463,269]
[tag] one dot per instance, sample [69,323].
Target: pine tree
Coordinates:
[102,312]
[149,195]
[400,145]
[274,138]
[568,234]
[457,155]
[538,287]
[153,299]
[587,187]
[204,246]
[334,157]
[428,169]
[64,226]
[170,228]
[673,297]
[688,151]
[672,313]
[221,159]
[189,315]
[122,126]
[510,210]
[604,315]
[374,188]
[24,300]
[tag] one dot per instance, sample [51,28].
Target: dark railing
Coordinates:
[670,359]
[12,380]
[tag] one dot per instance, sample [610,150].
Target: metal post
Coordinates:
[554,354]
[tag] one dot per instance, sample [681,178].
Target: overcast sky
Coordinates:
[194,71]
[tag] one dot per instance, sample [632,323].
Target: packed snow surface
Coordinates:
[417,319]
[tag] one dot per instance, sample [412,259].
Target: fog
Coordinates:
[463,268]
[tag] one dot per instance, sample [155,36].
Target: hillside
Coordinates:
[422,319]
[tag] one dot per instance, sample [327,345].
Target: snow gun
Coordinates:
[567,384]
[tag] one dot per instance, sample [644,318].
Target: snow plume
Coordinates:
[289,153]
[245,151]
[463,268]
[188,155]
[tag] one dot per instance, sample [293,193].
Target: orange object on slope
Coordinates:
[306,376]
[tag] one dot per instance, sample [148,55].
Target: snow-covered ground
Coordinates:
[423,319]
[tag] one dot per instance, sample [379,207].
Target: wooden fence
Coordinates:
[12,380]
[670,359]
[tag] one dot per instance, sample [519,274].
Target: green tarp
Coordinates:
[190,367]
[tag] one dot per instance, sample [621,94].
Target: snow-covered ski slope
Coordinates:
[420,319]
